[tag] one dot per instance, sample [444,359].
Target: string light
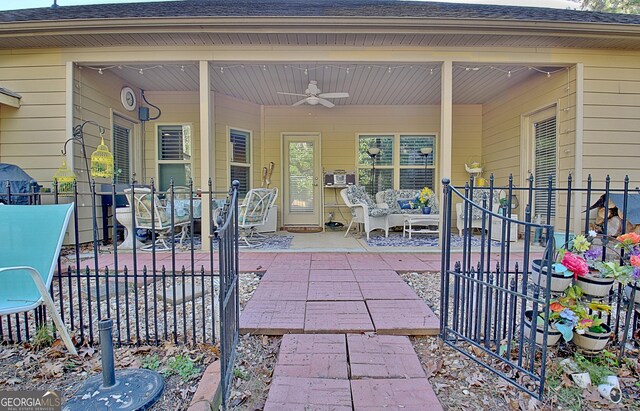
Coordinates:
[99,71]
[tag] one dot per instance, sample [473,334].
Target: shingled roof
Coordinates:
[314,8]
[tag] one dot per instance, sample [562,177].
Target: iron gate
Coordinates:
[227,236]
[488,294]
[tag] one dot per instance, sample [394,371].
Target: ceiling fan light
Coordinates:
[313,100]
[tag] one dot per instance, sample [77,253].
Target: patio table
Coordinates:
[424,220]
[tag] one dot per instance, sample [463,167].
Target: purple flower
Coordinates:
[636,273]
[593,254]
[635,251]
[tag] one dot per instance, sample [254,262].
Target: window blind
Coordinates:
[240,146]
[410,147]
[546,164]
[121,159]
[173,143]
[241,173]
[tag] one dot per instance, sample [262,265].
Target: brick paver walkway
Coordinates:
[299,293]
[334,311]
[349,372]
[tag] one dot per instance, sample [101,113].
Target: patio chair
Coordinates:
[29,254]
[364,211]
[254,211]
[160,221]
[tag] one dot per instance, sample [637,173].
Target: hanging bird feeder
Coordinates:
[66,178]
[102,161]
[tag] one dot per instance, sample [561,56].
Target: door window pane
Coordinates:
[301,177]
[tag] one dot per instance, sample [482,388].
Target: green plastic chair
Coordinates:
[31,240]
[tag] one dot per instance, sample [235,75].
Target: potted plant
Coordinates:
[424,200]
[584,260]
[630,244]
[579,321]
[553,334]
[561,278]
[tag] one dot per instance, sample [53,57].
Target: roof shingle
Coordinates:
[314,8]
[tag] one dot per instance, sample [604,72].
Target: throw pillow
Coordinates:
[405,204]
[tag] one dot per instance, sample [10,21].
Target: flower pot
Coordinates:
[559,282]
[628,289]
[426,210]
[590,342]
[553,335]
[595,286]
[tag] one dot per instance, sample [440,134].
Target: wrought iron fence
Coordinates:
[227,234]
[489,293]
[484,298]
[153,295]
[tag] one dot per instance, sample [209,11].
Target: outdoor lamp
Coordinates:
[424,152]
[373,152]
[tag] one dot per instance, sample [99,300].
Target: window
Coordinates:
[174,155]
[546,164]
[240,159]
[399,164]
[121,151]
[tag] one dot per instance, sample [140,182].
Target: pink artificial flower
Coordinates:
[586,322]
[576,264]
[635,260]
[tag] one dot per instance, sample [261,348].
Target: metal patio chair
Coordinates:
[160,221]
[254,211]
[32,237]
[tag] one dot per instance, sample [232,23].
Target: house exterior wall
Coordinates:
[31,136]
[612,121]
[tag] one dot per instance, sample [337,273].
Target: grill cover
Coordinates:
[19,182]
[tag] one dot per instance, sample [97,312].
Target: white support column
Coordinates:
[578,174]
[207,148]
[446,121]
[70,88]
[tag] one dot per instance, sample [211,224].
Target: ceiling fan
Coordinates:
[313,96]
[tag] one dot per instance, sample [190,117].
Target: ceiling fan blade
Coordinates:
[297,103]
[325,103]
[291,94]
[334,95]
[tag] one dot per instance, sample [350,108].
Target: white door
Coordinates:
[301,188]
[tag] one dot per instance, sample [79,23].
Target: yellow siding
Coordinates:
[31,136]
[501,137]
[612,123]
[234,113]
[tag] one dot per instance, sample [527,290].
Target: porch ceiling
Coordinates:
[367,84]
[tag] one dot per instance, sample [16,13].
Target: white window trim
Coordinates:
[230,155]
[395,161]
[157,149]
